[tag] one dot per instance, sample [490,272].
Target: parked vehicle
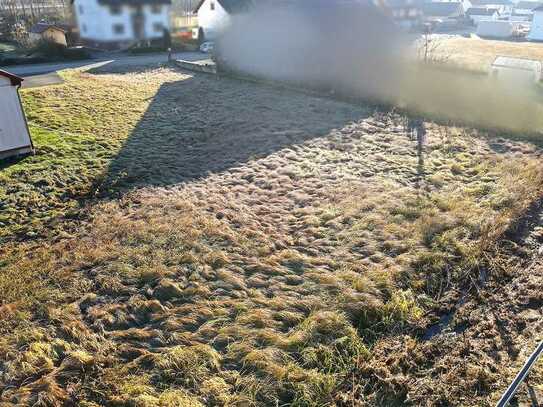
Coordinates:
[207,47]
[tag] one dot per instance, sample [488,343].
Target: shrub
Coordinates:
[145,50]
[51,51]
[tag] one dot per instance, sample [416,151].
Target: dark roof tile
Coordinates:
[481,11]
[442,9]
[39,28]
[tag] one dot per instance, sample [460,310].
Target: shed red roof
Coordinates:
[15,80]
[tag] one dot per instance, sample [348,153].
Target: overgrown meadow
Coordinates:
[183,240]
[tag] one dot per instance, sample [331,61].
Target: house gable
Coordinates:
[212,17]
[229,6]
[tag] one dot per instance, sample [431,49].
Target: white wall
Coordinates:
[90,19]
[478,19]
[110,20]
[212,21]
[536,32]
[162,18]
[496,29]
[521,19]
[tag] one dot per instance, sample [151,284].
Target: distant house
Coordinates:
[443,10]
[504,7]
[213,15]
[536,31]
[48,32]
[526,7]
[524,10]
[517,69]
[121,23]
[477,14]
[406,13]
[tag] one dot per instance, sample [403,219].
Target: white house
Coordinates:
[478,14]
[504,7]
[121,23]
[214,15]
[536,31]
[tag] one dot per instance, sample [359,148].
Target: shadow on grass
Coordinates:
[9,161]
[204,125]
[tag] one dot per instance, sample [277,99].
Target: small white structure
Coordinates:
[517,70]
[536,31]
[14,134]
[121,23]
[478,14]
[497,29]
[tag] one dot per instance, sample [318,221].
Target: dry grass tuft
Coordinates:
[188,364]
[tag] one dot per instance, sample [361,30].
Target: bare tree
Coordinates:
[430,48]
[14,13]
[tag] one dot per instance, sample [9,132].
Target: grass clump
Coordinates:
[188,364]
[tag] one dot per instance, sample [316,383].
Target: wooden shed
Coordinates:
[48,32]
[14,134]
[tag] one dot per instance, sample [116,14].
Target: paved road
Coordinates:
[113,60]
[47,79]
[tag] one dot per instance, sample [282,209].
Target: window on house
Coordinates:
[84,28]
[212,5]
[156,9]
[80,9]
[158,27]
[115,9]
[118,28]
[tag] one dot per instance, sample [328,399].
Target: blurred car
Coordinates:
[207,47]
